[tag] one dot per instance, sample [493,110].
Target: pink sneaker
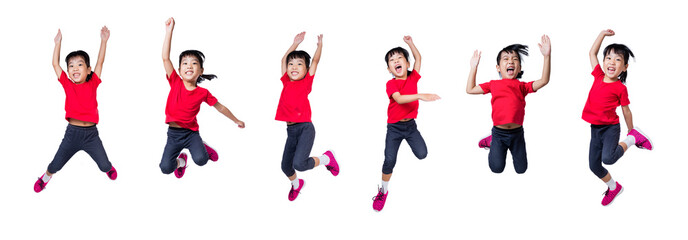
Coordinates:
[212,154]
[112,174]
[39,185]
[485,143]
[641,140]
[179,172]
[610,195]
[333,167]
[379,200]
[293,193]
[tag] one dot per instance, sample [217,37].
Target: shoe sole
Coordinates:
[646,137]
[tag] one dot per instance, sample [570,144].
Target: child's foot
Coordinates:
[485,142]
[609,195]
[39,185]
[379,200]
[112,174]
[333,167]
[293,193]
[179,172]
[212,154]
[641,140]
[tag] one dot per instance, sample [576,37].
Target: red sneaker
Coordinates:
[212,154]
[112,174]
[293,193]
[610,195]
[333,167]
[485,143]
[379,200]
[179,172]
[39,185]
[641,140]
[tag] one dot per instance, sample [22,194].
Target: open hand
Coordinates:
[475,59]
[545,46]
[299,37]
[58,37]
[320,40]
[104,33]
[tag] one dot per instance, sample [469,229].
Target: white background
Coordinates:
[450,194]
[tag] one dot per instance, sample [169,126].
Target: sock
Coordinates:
[611,184]
[385,185]
[46,178]
[182,162]
[324,160]
[295,183]
[630,141]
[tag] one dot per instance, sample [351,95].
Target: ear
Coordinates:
[497,67]
[201,71]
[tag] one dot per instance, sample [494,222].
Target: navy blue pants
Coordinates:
[396,132]
[300,137]
[80,138]
[508,139]
[604,147]
[177,140]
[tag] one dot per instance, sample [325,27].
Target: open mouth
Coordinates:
[611,70]
[294,73]
[398,69]
[510,70]
[76,75]
[189,72]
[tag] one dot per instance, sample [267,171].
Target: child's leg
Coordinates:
[497,156]
[518,150]
[595,154]
[288,156]
[392,142]
[305,134]
[67,149]
[197,149]
[172,149]
[611,150]
[416,142]
[94,147]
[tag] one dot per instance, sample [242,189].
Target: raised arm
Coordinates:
[546,49]
[471,88]
[596,46]
[169,27]
[316,57]
[56,54]
[225,111]
[297,40]
[104,36]
[415,52]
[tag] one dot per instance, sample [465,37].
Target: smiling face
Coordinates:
[77,69]
[296,69]
[398,65]
[190,68]
[613,66]
[509,65]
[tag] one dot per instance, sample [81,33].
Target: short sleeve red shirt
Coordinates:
[600,109]
[293,104]
[80,99]
[183,105]
[508,100]
[396,111]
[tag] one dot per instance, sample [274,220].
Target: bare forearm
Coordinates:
[101,57]
[56,58]
[470,84]
[545,74]
[628,117]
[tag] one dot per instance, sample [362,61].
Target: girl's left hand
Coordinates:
[104,33]
[320,40]
[408,39]
[240,124]
[545,46]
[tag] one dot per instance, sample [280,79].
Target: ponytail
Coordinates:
[205,77]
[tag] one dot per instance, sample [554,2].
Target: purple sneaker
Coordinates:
[112,174]
[609,195]
[293,193]
[379,200]
[39,185]
[212,154]
[641,140]
[485,143]
[179,172]
[333,167]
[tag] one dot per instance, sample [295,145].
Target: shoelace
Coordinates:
[379,195]
[329,168]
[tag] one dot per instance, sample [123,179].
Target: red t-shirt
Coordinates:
[293,104]
[600,109]
[183,105]
[396,111]
[80,101]
[508,100]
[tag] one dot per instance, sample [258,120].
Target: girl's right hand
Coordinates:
[475,59]
[58,37]
[607,32]
[169,24]
[299,37]
[429,97]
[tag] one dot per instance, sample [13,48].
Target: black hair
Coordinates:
[396,50]
[620,49]
[84,55]
[198,55]
[299,54]
[519,49]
